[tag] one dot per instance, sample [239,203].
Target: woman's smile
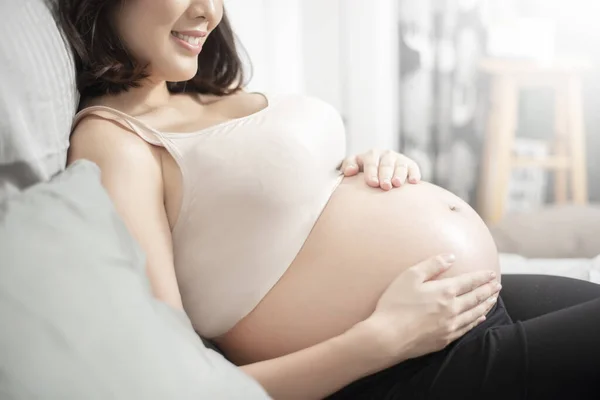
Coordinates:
[191,41]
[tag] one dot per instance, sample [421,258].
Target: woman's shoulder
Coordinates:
[126,162]
[101,136]
[97,138]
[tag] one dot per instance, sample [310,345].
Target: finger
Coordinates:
[468,282]
[386,170]
[472,299]
[370,165]
[465,329]
[432,267]
[474,314]
[350,166]
[400,173]
[414,172]
[491,302]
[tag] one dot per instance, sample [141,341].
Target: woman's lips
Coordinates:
[192,42]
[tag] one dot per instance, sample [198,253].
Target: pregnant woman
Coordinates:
[318,276]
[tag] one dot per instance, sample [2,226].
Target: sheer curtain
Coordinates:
[441,126]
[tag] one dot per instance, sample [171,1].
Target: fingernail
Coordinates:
[492,275]
[386,182]
[374,179]
[492,299]
[498,286]
[480,320]
[448,258]
[397,181]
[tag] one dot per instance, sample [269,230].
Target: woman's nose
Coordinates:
[208,10]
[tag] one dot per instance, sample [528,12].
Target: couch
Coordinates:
[562,240]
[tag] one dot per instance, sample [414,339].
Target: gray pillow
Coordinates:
[78,318]
[38,96]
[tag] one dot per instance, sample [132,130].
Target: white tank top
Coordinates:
[253,188]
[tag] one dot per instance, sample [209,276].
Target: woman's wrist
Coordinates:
[376,348]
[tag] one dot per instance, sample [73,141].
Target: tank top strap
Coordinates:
[142,129]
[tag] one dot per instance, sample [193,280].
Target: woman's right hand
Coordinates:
[417,315]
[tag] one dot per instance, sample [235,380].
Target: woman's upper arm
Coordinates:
[132,175]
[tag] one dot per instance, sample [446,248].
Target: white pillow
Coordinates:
[78,318]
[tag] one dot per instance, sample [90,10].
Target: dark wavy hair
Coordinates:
[105,66]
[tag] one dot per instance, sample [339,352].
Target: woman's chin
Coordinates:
[183,73]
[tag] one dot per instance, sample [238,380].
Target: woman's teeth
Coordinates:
[194,41]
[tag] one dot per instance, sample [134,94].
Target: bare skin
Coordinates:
[363,240]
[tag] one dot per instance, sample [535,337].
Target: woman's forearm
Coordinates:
[320,370]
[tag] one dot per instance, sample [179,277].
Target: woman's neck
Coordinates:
[150,96]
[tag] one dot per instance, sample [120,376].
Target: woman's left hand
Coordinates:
[384,169]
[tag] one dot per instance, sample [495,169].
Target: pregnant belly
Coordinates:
[364,238]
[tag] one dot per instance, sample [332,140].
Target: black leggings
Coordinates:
[541,341]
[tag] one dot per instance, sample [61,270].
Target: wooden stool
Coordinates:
[568,155]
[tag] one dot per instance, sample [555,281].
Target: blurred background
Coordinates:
[430,77]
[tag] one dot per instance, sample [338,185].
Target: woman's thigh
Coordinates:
[530,296]
[553,356]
